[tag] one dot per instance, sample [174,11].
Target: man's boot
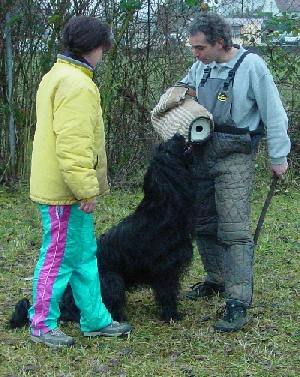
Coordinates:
[234,318]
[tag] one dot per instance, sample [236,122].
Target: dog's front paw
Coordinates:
[120,317]
[171,317]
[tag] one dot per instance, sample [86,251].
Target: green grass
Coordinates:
[269,346]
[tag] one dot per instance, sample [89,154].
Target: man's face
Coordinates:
[204,51]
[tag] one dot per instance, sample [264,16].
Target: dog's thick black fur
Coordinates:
[153,245]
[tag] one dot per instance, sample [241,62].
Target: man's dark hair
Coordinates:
[83,34]
[214,27]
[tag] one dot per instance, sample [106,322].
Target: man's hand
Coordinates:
[88,206]
[279,170]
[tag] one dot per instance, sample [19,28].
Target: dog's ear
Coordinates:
[154,186]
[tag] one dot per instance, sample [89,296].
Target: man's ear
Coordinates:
[220,42]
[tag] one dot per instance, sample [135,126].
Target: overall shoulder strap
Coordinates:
[232,72]
[205,76]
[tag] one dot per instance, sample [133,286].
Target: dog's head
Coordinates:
[168,176]
[175,147]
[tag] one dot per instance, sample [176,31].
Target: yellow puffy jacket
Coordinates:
[68,158]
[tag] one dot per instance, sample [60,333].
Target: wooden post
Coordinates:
[9,78]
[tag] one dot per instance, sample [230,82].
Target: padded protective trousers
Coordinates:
[67,255]
[223,171]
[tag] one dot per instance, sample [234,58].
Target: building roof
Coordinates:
[244,20]
[288,5]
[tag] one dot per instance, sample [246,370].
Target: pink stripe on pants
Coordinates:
[49,270]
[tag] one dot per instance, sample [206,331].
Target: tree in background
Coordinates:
[151,52]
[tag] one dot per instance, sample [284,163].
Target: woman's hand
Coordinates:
[89,205]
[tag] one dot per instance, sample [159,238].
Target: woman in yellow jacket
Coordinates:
[68,172]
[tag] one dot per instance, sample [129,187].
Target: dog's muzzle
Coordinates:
[187,149]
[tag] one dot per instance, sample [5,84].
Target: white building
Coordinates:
[277,7]
[246,31]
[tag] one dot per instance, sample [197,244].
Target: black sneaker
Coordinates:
[114,329]
[234,318]
[204,289]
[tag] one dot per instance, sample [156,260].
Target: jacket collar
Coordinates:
[230,64]
[82,65]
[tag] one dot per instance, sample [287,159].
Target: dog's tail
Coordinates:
[19,317]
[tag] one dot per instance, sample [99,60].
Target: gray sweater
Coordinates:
[255,98]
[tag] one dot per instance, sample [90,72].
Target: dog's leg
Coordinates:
[19,317]
[68,309]
[113,294]
[166,295]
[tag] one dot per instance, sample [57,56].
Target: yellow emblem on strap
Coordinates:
[222,97]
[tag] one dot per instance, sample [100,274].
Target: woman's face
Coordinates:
[95,56]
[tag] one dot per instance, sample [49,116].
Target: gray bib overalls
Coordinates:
[223,171]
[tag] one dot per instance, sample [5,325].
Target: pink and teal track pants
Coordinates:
[67,255]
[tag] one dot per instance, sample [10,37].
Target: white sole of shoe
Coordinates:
[36,339]
[97,333]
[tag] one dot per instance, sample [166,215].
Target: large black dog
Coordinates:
[152,246]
